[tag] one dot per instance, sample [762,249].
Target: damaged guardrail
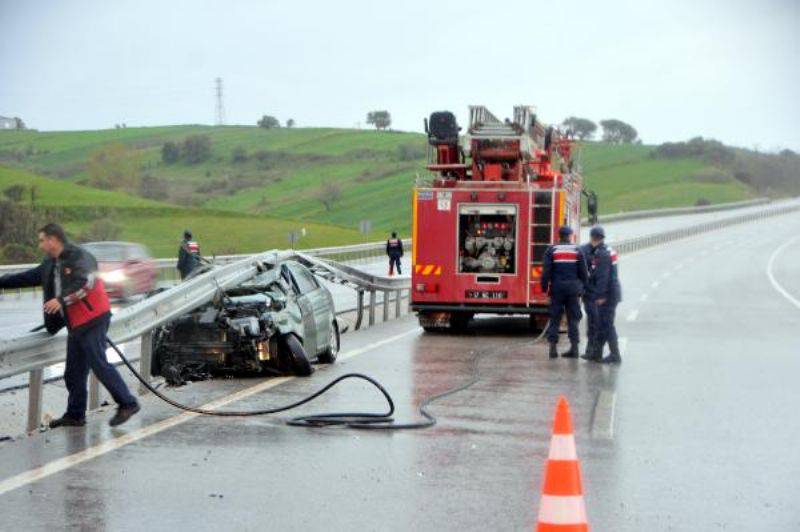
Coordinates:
[33,352]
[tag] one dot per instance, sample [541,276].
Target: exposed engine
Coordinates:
[235,335]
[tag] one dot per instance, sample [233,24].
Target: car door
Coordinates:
[301,290]
[320,301]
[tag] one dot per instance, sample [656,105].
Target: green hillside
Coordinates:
[275,181]
[160,225]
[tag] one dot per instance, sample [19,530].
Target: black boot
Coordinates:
[614,357]
[594,353]
[588,353]
[573,351]
[123,414]
[553,350]
[67,421]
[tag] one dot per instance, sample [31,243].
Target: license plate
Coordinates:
[486,294]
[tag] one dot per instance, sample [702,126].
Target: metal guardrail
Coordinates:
[33,352]
[646,241]
[679,211]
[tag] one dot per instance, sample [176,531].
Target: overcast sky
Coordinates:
[673,69]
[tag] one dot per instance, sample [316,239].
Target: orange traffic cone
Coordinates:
[561,508]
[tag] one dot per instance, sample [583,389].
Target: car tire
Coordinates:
[334,343]
[296,356]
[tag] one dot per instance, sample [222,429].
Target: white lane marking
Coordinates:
[632,315]
[655,284]
[603,418]
[67,462]
[644,297]
[775,284]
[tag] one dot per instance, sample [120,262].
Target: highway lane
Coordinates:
[702,436]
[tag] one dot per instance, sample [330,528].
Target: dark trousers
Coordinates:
[559,303]
[606,330]
[590,308]
[86,349]
[394,260]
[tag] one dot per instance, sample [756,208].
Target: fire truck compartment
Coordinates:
[487,242]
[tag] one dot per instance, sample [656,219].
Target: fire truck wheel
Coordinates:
[538,322]
[459,321]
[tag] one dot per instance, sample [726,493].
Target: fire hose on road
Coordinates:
[352,420]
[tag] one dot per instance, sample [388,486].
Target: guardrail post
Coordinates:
[94,392]
[371,307]
[398,296]
[386,305]
[35,384]
[359,309]
[146,351]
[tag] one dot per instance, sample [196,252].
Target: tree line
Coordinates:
[614,131]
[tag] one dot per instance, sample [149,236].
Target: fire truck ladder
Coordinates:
[482,123]
[541,225]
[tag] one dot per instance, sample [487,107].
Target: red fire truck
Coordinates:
[485,215]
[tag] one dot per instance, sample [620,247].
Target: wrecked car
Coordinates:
[275,323]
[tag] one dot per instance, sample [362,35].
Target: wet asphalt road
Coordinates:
[702,436]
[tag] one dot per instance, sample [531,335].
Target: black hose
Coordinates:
[353,420]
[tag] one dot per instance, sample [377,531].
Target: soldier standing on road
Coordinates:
[564,276]
[76,297]
[188,255]
[394,248]
[588,300]
[607,293]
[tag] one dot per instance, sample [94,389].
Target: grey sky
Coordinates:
[723,69]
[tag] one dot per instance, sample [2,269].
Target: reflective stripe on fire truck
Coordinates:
[428,269]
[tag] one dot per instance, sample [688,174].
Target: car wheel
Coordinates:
[332,351]
[296,356]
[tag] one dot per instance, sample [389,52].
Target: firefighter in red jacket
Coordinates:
[74,296]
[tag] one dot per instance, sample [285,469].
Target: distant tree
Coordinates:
[379,119]
[582,128]
[15,192]
[269,122]
[19,254]
[18,123]
[618,132]
[239,155]
[153,188]
[99,230]
[329,194]
[196,149]
[290,122]
[113,166]
[170,152]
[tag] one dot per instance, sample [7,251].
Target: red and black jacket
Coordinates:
[83,295]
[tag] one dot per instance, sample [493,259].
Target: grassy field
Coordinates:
[160,226]
[277,188]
